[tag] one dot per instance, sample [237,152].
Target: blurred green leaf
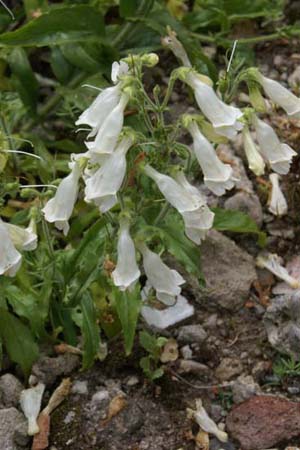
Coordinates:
[23,78]
[18,341]
[90,331]
[128,7]
[62,69]
[128,306]
[238,222]
[76,23]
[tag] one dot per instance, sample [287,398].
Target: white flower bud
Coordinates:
[218,177]
[126,272]
[108,134]
[30,401]
[10,258]
[277,203]
[255,160]
[165,281]
[281,96]
[224,118]
[102,187]
[272,262]
[59,208]
[278,155]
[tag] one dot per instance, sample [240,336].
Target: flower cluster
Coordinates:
[102,174]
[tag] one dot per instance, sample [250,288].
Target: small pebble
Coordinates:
[186,352]
[293,390]
[80,387]
[132,381]
[69,417]
[100,396]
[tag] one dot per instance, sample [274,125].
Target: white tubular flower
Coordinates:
[165,281]
[164,318]
[198,222]
[101,107]
[278,155]
[105,102]
[59,208]
[281,96]
[108,134]
[174,193]
[277,203]
[22,238]
[10,258]
[30,401]
[205,422]
[126,272]
[218,177]
[102,187]
[255,160]
[224,118]
[272,262]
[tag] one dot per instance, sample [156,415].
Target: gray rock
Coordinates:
[10,390]
[228,271]
[189,334]
[48,369]
[190,366]
[282,322]
[13,427]
[247,203]
[229,368]
[294,78]
[243,388]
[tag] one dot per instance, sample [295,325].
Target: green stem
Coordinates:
[251,40]
[163,212]
[9,140]
[127,29]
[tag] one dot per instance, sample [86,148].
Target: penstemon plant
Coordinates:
[137,182]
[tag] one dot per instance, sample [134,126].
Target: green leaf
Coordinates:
[90,331]
[18,340]
[78,56]
[237,222]
[128,306]
[61,68]
[23,78]
[29,305]
[127,8]
[182,248]
[76,23]
[83,266]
